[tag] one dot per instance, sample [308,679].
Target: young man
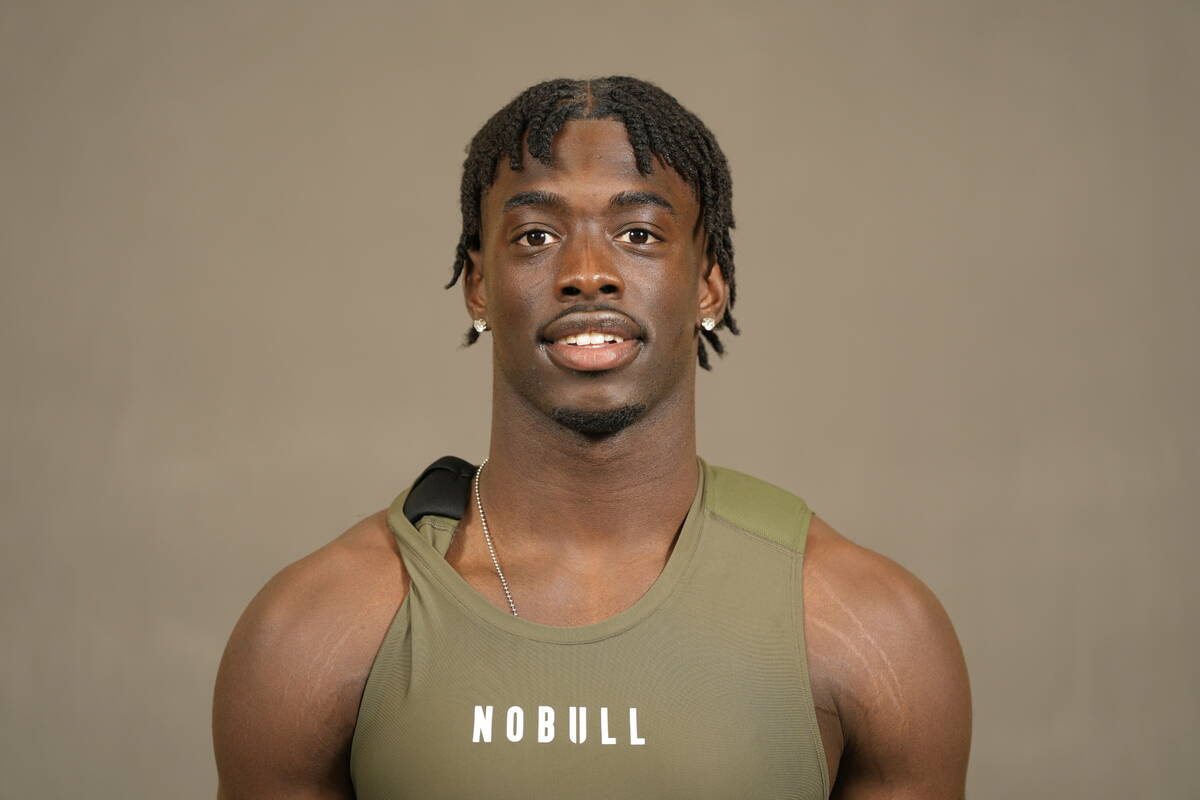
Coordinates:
[594,612]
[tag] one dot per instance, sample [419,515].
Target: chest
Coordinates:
[699,690]
[669,713]
[565,587]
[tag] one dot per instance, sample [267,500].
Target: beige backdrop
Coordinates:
[968,270]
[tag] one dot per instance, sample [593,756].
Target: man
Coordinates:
[594,612]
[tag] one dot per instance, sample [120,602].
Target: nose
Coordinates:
[587,272]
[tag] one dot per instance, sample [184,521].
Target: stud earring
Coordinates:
[480,325]
[708,323]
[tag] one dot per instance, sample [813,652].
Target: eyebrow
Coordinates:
[558,202]
[535,199]
[627,199]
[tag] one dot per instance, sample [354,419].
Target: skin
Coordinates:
[886,669]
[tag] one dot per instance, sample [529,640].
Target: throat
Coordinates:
[570,552]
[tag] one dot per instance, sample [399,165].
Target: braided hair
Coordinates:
[657,125]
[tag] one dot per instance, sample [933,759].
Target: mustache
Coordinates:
[592,308]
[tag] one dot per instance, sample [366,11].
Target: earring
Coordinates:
[708,323]
[480,325]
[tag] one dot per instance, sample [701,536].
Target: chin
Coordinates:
[598,422]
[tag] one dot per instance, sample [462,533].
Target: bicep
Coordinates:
[279,729]
[909,717]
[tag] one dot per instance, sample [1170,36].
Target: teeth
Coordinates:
[590,338]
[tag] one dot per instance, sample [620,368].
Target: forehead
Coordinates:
[593,160]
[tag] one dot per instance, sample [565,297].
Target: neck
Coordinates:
[551,483]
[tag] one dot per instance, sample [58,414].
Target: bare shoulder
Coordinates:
[288,688]
[887,664]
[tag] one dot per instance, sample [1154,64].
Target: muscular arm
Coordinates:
[896,675]
[288,688]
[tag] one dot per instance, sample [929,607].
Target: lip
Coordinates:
[596,357]
[578,322]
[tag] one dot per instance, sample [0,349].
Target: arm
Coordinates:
[902,694]
[290,681]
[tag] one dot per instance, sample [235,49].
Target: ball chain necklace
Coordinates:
[487,537]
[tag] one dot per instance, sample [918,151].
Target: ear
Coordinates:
[713,291]
[474,288]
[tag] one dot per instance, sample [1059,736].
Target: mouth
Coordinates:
[592,341]
[604,355]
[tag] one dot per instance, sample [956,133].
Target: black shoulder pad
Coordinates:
[443,490]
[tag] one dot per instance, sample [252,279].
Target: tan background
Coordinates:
[968,270]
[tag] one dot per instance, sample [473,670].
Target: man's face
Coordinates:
[593,278]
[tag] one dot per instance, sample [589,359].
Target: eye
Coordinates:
[536,238]
[638,236]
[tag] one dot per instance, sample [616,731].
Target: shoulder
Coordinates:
[870,587]
[339,590]
[290,680]
[884,654]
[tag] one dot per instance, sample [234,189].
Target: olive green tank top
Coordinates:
[699,690]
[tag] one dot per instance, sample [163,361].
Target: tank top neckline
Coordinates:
[423,560]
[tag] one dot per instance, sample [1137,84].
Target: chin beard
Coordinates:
[598,423]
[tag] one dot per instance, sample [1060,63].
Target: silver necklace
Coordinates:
[487,537]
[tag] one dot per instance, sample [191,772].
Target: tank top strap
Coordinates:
[758,507]
[428,539]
